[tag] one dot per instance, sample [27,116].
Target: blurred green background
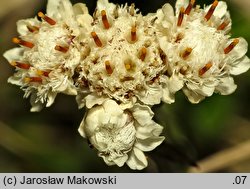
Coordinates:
[48,141]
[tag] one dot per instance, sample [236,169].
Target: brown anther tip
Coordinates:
[186,53]
[189,50]
[27,79]
[108,67]
[133,33]
[143,53]
[211,10]
[61,48]
[189,7]
[93,34]
[41,15]
[181,16]
[203,70]
[133,29]
[42,73]
[223,25]
[105,19]
[13,63]
[236,41]
[16,40]
[144,50]
[39,72]
[231,46]
[103,13]
[215,3]
[96,39]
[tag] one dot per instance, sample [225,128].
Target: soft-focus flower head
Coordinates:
[49,52]
[202,56]
[120,136]
[124,61]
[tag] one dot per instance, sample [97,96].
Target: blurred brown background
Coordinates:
[214,134]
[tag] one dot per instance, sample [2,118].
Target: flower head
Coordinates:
[120,136]
[124,61]
[202,56]
[49,53]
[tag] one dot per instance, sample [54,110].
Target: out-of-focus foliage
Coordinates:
[48,141]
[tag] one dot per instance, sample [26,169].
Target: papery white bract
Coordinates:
[121,136]
[202,57]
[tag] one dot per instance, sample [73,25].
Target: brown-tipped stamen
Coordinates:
[32,28]
[105,19]
[189,7]
[186,53]
[231,46]
[61,48]
[46,18]
[143,53]
[21,65]
[43,73]
[203,70]
[33,79]
[181,16]
[211,10]
[22,42]
[223,25]
[108,67]
[96,39]
[133,33]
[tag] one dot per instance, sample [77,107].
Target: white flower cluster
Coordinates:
[118,63]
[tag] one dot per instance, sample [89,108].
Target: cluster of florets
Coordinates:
[119,63]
